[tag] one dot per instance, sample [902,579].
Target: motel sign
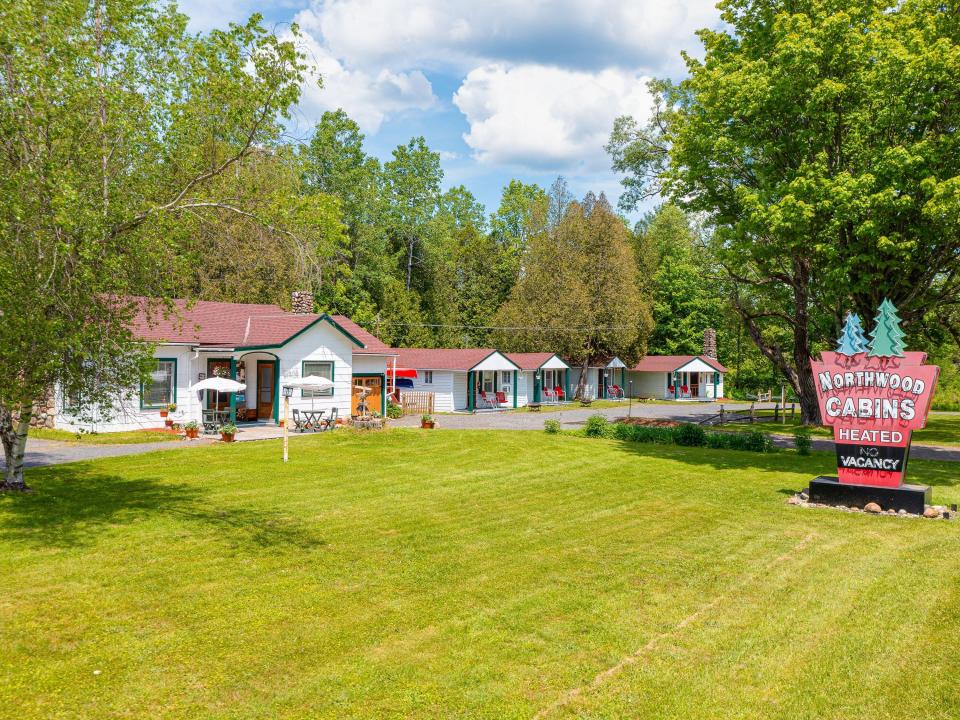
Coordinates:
[874,395]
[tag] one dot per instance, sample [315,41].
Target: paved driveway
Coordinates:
[53,452]
[572,418]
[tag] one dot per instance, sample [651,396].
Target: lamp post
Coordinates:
[629,398]
[287,394]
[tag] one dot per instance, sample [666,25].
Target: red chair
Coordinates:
[617,392]
[684,390]
[670,389]
[560,394]
[501,398]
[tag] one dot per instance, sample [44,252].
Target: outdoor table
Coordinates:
[312,418]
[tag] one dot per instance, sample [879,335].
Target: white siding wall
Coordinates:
[321,342]
[442,388]
[648,384]
[459,390]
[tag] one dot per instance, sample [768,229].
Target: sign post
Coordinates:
[874,395]
[287,393]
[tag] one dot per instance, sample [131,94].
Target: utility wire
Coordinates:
[536,328]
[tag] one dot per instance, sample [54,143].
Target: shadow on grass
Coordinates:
[71,505]
[927,472]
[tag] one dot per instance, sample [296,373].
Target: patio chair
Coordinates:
[501,398]
[616,392]
[560,394]
[329,422]
[549,396]
[211,422]
[487,402]
[299,423]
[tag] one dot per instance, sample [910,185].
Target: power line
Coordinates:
[533,328]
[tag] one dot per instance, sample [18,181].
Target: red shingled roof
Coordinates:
[529,361]
[372,345]
[669,363]
[236,325]
[441,358]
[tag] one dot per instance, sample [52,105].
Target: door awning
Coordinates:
[404,373]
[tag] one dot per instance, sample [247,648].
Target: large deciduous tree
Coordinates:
[820,138]
[115,125]
[579,293]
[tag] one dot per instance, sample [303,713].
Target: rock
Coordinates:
[872,507]
[931,513]
[902,513]
[793,500]
[804,496]
[891,511]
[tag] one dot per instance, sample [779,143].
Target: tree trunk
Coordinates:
[13,432]
[582,382]
[409,261]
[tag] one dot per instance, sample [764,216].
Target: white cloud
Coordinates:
[547,118]
[367,97]
[461,34]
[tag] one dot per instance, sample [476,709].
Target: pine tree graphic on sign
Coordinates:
[886,340]
[852,340]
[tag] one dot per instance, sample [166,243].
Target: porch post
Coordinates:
[233,396]
[536,385]
[676,385]
[514,388]
[566,384]
[471,388]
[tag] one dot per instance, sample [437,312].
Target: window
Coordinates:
[160,387]
[322,369]
[488,382]
[428,377]
[506,379]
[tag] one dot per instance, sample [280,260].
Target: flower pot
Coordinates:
[163,413]
[427,425]
[226,437]
[168,422]
[192,433]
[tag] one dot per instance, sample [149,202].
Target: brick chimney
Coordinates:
[710,343]
[301,302]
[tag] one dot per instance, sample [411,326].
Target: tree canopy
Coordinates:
[819,138]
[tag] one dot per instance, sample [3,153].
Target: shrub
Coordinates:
[552,427]
[394,411]
[690,435]
[758,441]
[801,439]
[597,426]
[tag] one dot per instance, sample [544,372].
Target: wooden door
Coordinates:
[374,401]
[266,389]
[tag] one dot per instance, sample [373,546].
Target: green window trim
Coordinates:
[304,393]
[162,406]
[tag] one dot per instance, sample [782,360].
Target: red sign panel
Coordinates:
[873,404]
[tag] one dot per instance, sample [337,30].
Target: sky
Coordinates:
[502,89]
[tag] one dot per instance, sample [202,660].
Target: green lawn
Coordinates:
[941,429]
[111,438]
[469,574]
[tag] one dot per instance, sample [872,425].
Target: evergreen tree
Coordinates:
[852,341]
[887,337]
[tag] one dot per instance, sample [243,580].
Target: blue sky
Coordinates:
[503,89]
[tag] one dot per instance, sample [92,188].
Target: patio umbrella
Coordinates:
[219,384]
[310,382]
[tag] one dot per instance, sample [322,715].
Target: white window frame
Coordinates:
[428,377]
[304,392]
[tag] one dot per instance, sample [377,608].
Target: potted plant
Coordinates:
[427,422]
[192,429]
[227,432]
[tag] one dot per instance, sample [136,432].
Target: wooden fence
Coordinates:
[416,403]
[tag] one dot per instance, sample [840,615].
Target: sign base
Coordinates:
[830,491]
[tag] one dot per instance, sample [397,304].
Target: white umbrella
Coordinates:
[219,384]
[310,382]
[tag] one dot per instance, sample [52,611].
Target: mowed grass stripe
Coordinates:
[456,574]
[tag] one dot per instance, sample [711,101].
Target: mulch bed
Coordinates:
[648,422]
